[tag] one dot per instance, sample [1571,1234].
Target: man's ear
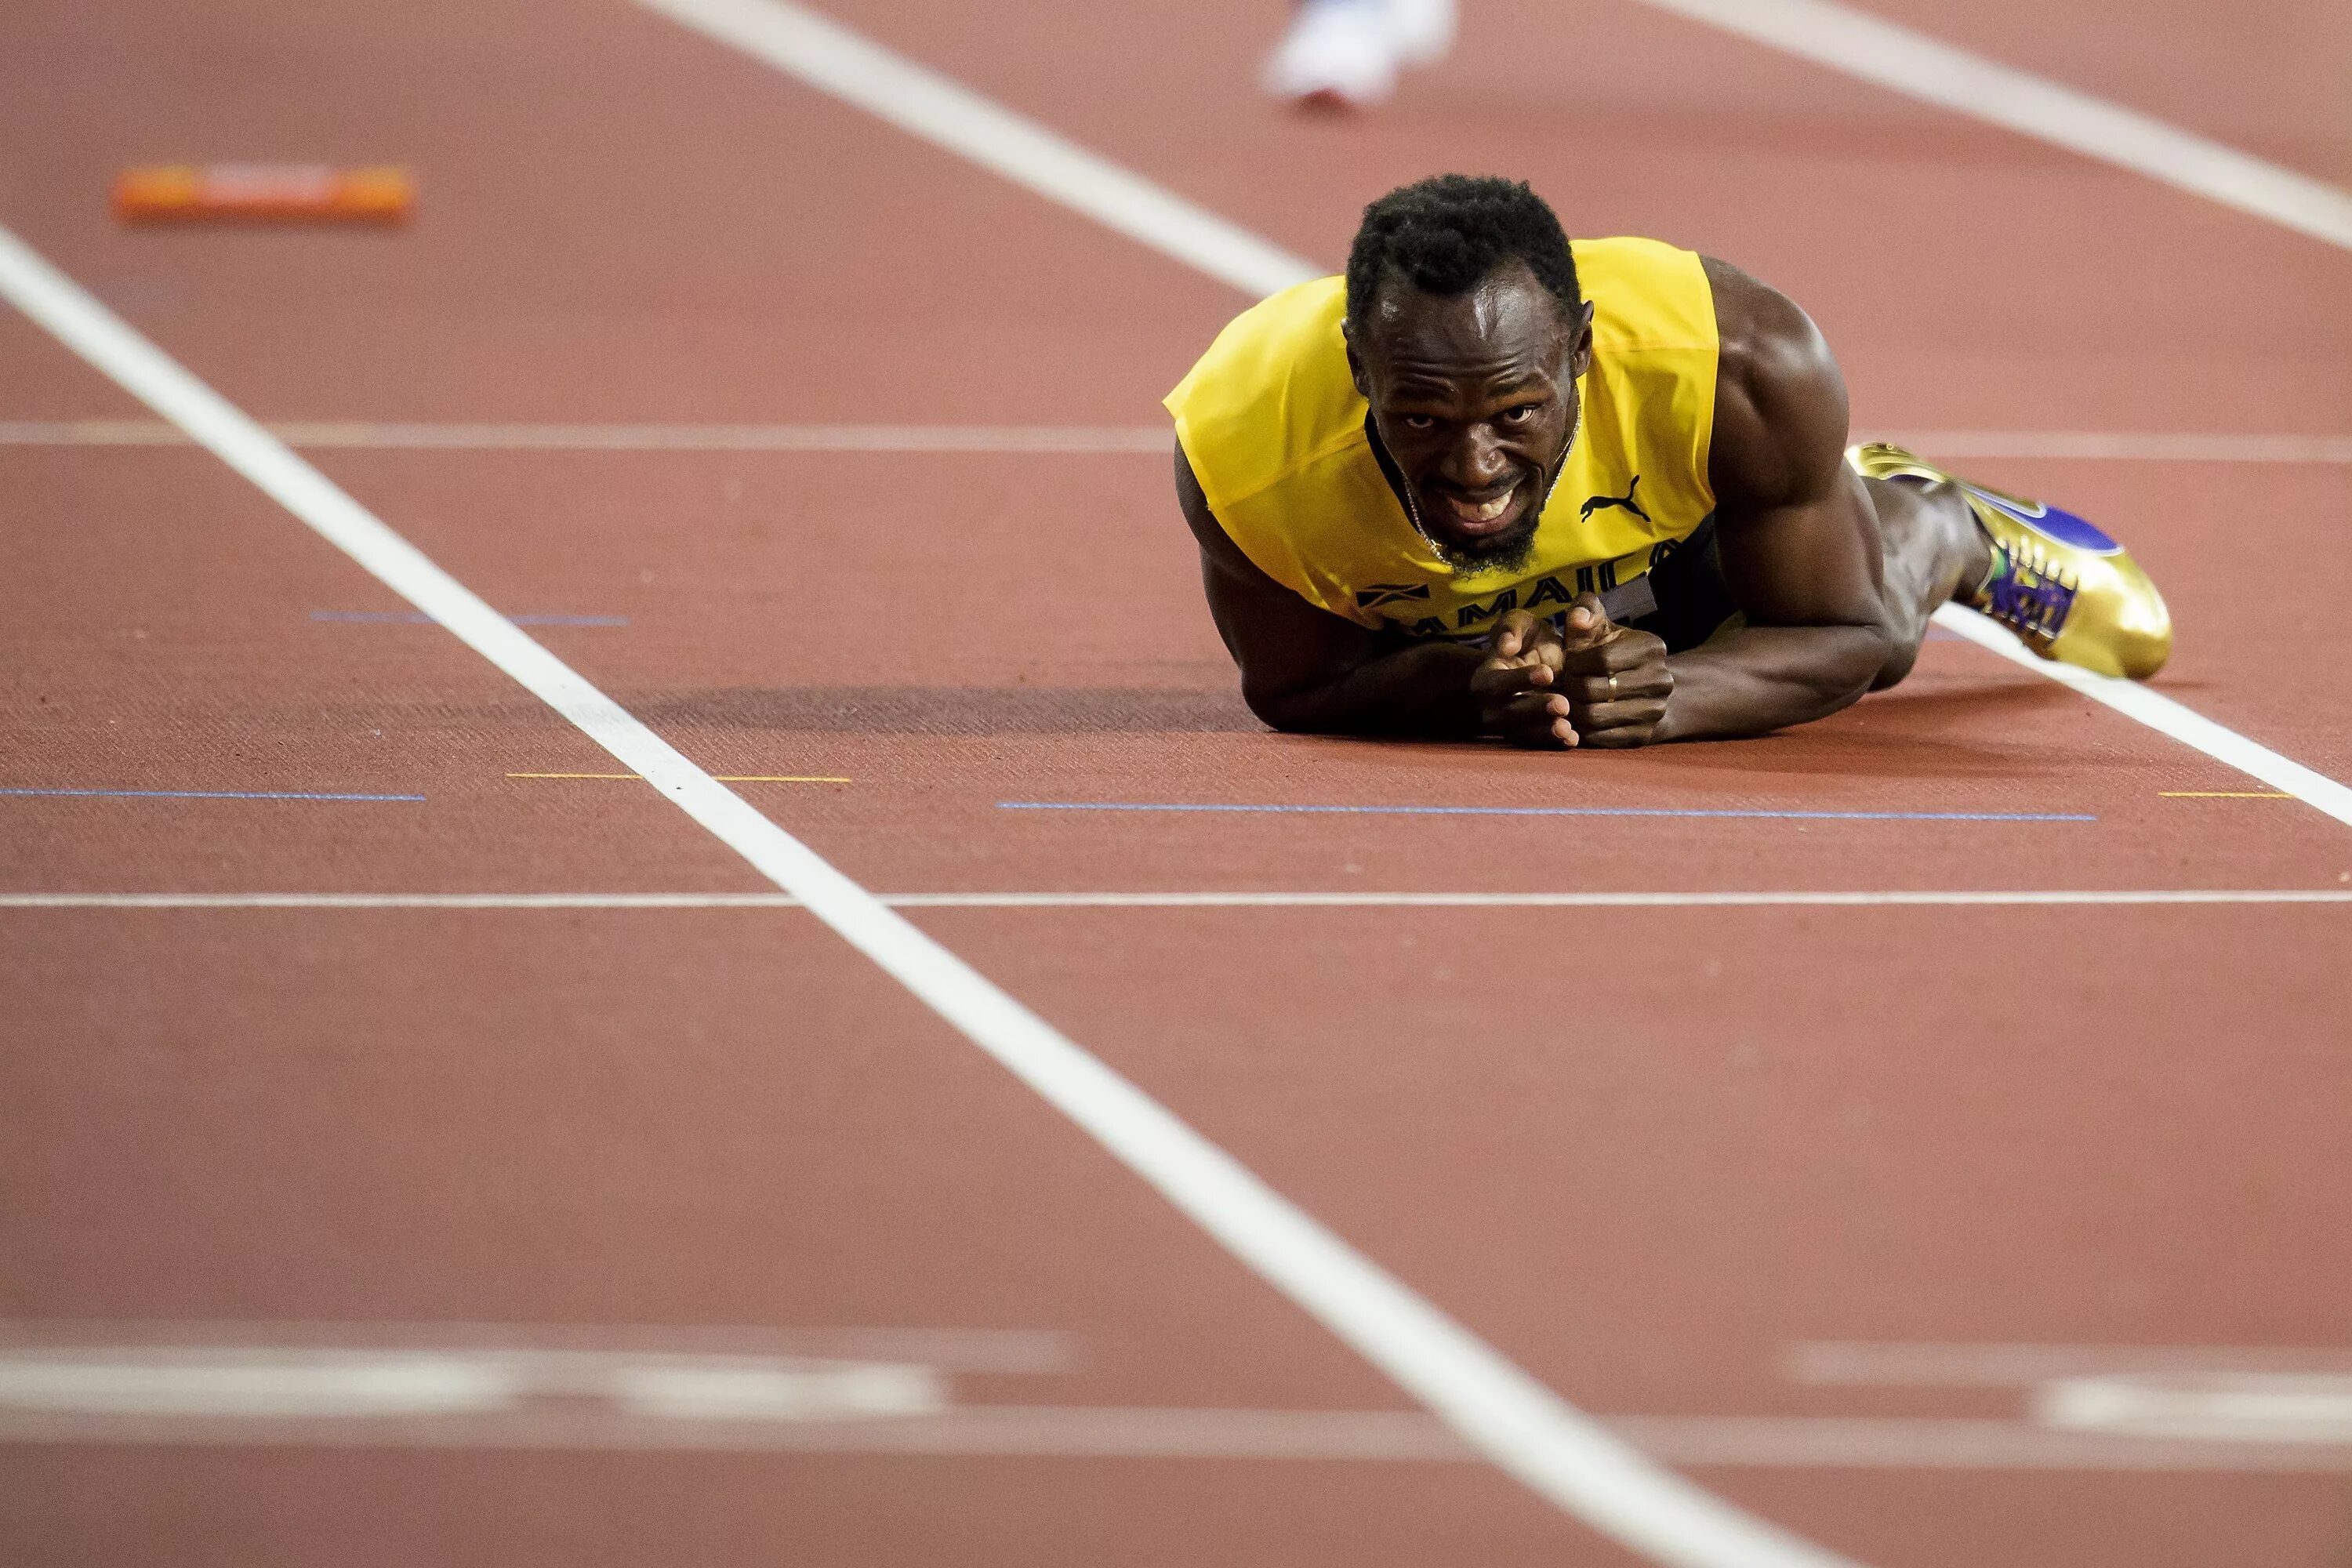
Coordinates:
[1579,354]
[1354,361]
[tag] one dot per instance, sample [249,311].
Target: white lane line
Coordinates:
[2159,712]
[738,1391]
[2267,1407]
[250,1384]
[241,1383]
[1918,66]
[1957,898]
[1519,1422]
[1872,1364]
[865,1390]
[1173,1433]
[358,435]
[1005,1430]
[1151,440]
[830,57]
[1971,1443]
[995,1351]
[924,103]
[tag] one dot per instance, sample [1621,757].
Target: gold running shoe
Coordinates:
[2067,590]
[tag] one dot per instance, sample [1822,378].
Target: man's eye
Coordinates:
[1420,422]
[1520,415]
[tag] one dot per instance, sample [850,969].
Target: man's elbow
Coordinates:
[1294,709]
[1293,712]
[1863,651]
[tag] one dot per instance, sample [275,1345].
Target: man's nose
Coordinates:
[1475,461]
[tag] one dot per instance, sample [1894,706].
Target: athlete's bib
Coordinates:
[1275,430]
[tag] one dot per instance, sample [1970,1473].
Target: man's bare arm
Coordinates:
[1307,669]
[1795,529]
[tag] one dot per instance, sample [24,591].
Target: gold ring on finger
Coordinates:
[1612,688]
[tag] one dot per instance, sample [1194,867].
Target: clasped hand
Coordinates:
[1598,684]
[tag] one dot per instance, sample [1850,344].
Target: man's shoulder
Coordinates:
[1780,404]
[1272,394]
[1646,295]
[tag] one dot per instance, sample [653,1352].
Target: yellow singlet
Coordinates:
[1275,430]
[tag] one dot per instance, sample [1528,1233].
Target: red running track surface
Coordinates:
[1650,1154]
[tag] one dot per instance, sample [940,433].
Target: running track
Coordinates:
[1667,1159]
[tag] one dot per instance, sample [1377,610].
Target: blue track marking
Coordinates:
[205,794]
[1557,811]
[415,618]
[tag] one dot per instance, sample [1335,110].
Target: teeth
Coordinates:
[1490,512]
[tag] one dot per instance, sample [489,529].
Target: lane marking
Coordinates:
[398,436]
[1549,811]
[1922,898]
[1966,1443]
[1924,68]
[2161,713]
[1872,1364]
[1519,1422]
[205,794]
[1170,1433]
[732,1390]
[1038,1352]
[2272,1407]
[1152,440]
[2172,1406]
[144,1382]
[2223,794]
[417,618]
[135,1382]
[722,778]
[456,1385]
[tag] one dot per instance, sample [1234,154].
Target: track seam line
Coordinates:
[1516,1421]
[830,57]
[362,435]
[1081,440]
[1924,68]
[1245,808]
[1925,899]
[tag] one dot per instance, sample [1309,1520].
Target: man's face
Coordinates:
[1474,398]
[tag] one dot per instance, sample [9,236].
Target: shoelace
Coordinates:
[2028,594]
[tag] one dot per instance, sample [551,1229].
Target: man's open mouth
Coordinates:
[1479,516]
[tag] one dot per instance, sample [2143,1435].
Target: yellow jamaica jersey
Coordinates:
[1275,432]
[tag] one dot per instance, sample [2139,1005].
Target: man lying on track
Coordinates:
[1594,494]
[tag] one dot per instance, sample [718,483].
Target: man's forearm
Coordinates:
[1420,689]
[1767,678]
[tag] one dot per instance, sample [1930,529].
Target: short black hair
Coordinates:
[1447,234]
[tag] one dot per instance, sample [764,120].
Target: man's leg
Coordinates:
[2067,590]
[1934,552]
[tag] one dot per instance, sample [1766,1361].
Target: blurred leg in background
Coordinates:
[1346,53]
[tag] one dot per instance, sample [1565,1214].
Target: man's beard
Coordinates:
[1506,552]
[1503,553]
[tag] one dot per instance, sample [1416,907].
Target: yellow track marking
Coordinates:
[2224,794]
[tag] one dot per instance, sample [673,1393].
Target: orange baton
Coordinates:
[277,192]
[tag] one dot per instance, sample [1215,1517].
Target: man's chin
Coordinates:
[1487,552]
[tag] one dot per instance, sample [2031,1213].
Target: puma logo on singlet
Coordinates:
[1625,502]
